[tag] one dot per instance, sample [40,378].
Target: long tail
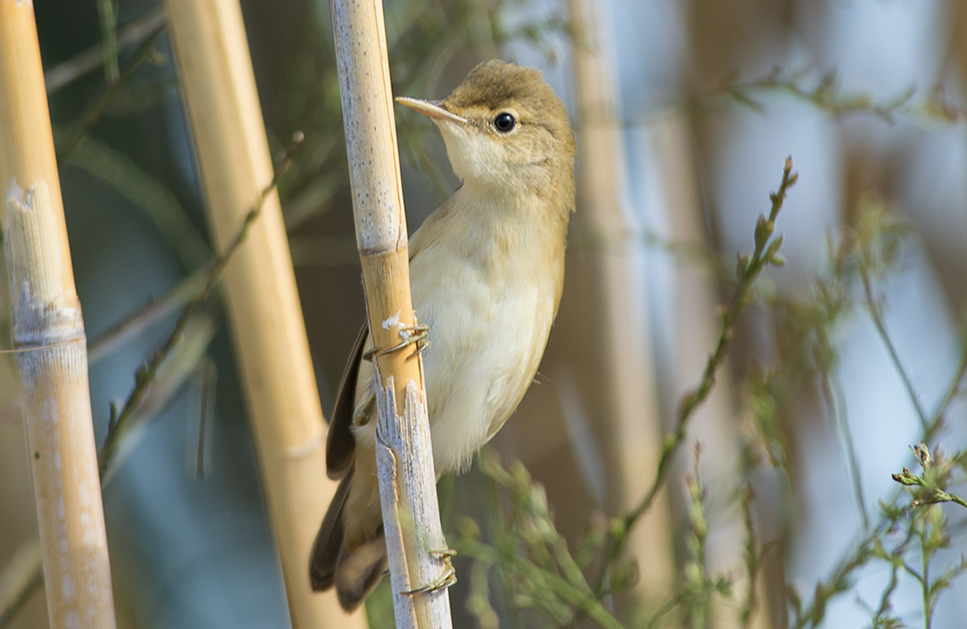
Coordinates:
[354,573]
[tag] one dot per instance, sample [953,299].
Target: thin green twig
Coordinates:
[833,395]
[96,110]
[150,314]
[838,581]
[952,391]
[67,72]
[749,268]
[752,557]
[107,11]
[144,376]
[876,314]
[926,554]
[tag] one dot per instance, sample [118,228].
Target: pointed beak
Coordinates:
[433,108]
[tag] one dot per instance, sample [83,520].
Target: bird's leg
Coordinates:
[445,580]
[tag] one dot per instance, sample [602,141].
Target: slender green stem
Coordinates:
[830,587]
[146,374]
[65,73]
[752,558]
[925,555]
[876,314]
[107,10]
[952,392]
[96,110]
[22,576]
[664,610]
[833,394]
[750,267]
[150,314]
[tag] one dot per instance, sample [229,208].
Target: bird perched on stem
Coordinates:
[486,274]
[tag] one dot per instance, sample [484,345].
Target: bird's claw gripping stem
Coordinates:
[445,580]
[416,334]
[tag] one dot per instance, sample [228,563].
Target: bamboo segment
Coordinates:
[259,288]
[49,328]
[407,480]
[630,402]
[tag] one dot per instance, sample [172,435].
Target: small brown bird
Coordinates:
[486,273]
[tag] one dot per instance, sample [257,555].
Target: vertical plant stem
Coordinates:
[407,480]
[263,307]
[107,10]
[876,314]
[833,395]
[925,554]
[48,325]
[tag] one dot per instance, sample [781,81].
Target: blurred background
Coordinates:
[685,114]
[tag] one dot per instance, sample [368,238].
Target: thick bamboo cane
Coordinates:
[630,403]
[407,480]
[259,288]
[49,332]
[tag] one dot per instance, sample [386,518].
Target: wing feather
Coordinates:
[340,443]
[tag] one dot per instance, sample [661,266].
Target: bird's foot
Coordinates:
[416,334]
[445,580]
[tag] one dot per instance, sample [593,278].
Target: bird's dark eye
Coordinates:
[504,122]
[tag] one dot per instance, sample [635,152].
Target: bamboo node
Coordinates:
[45,314]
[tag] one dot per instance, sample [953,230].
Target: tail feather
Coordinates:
[329,540]
[358,572]
[354,573]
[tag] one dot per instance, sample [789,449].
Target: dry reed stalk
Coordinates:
[631,402]
[404,456]
[49,332]
[260,291]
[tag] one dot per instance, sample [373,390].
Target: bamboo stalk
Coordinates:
[407,480]
[259,288]
[48,327]
[629,402]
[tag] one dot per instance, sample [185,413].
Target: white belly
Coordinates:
[486,340]
[488,291]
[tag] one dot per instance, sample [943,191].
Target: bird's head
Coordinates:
[504,127]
